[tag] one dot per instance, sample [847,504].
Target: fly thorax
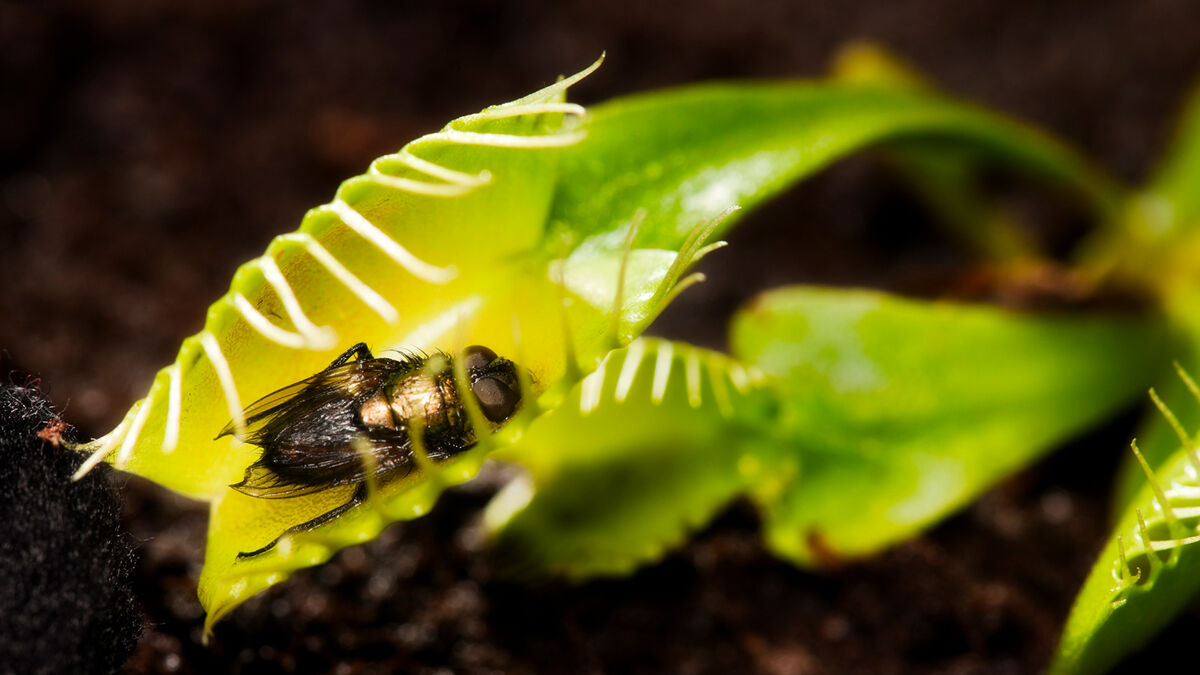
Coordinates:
[376,412]
[430,397]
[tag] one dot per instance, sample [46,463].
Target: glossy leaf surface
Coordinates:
[683,156]
[904,409]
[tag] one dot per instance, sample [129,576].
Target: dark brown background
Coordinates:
[147,149]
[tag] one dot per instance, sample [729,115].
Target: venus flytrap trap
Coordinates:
[359,269]
[1149,569]
[642,451]
[433,243]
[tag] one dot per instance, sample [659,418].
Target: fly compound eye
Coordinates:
[496,399]
[478,357]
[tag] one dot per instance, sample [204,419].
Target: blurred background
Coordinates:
[147,149]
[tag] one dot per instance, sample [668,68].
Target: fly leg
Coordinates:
[360,494]
[358,351]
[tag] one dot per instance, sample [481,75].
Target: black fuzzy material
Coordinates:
[65,601]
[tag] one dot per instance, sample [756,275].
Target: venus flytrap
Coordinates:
[555,235]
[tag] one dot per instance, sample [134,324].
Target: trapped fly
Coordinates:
[312,432]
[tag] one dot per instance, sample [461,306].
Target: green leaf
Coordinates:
[947,179]
[905,410]
[1162,224]
[1145,574]
[641,452]
[682,157]
[1177,181]
[1155,240]
[1157,436]
[1148,571]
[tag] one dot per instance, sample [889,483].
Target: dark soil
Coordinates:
[65,560]
[147,150]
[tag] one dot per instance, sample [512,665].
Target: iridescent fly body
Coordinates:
[312,432]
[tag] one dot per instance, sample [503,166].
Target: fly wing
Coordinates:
[279,477]
[260,481]
[256,413]
[349,382]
